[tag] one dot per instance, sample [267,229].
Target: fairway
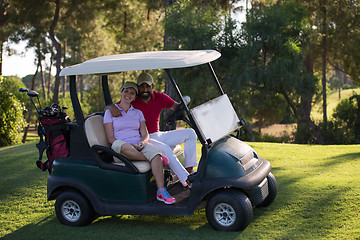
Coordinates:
[318,198]
[332,101]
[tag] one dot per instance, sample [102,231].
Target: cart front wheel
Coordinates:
[73,209]
[229,211]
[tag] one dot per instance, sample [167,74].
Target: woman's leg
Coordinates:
[127,150]
[157,166]
[157,170]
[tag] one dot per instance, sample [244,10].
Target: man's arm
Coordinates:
[174,106]
[115,112]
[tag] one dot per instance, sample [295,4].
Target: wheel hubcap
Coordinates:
[71,211]
[224,214]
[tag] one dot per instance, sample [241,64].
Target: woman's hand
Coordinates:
[141,145]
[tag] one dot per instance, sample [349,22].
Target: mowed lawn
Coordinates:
[332,101]
[319,198]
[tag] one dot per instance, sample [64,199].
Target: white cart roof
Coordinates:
[141,61]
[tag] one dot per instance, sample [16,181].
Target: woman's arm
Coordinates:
[144,135]
[109,132]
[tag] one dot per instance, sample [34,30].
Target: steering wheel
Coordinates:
[177,114]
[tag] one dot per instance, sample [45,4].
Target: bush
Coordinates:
[304,134]
[347,118]
[11,116]
[344,127]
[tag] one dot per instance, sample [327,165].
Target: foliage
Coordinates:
[186,17]
[271,59]
[271,51]
[347,118]
[133,26]
[205,25]
[11,117]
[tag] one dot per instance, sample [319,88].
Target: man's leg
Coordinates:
[174,163]
[175,137]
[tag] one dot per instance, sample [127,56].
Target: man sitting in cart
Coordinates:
[151,103]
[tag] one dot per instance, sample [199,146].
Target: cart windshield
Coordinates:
[216,118]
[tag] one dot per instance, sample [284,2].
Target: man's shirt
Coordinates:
[153,109]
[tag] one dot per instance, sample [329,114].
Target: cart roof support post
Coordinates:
[75,101]
[106,91]
[216,79]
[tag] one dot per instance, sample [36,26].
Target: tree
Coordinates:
[271,58]
[335,35]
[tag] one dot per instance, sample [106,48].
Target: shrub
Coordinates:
[11,116]
[347,118]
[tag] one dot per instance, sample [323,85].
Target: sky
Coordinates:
[20,65]
[23,64]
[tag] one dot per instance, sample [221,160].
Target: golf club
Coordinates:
[31,94]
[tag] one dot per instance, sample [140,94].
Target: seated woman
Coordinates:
[129,136]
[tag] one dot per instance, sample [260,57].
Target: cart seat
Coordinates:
[95,133]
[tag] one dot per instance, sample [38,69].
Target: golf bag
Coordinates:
[53,137]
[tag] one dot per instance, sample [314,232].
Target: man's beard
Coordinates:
[146,96]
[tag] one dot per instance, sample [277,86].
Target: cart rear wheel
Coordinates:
[273,189]
[229,211]
[73,209]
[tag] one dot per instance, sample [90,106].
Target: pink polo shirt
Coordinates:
[127,126]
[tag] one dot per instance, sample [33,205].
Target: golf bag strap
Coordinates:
[41,145]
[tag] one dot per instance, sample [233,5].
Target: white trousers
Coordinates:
[166,141]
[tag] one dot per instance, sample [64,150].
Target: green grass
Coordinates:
[318,198]
[332,101]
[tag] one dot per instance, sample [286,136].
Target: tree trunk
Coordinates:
[28,119]
[81,81]
[58,51]
[323,80]
[64,65]
[49,80]
[1,58]
[339,81]
[306,99]
[42,81]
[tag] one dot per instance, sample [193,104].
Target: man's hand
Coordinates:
[115,112]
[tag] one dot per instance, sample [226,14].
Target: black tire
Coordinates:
[229,211]
[73,209]
[273,189]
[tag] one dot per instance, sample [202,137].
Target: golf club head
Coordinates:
[23,90]
[33,93]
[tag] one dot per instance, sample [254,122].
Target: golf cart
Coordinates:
[231,179]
